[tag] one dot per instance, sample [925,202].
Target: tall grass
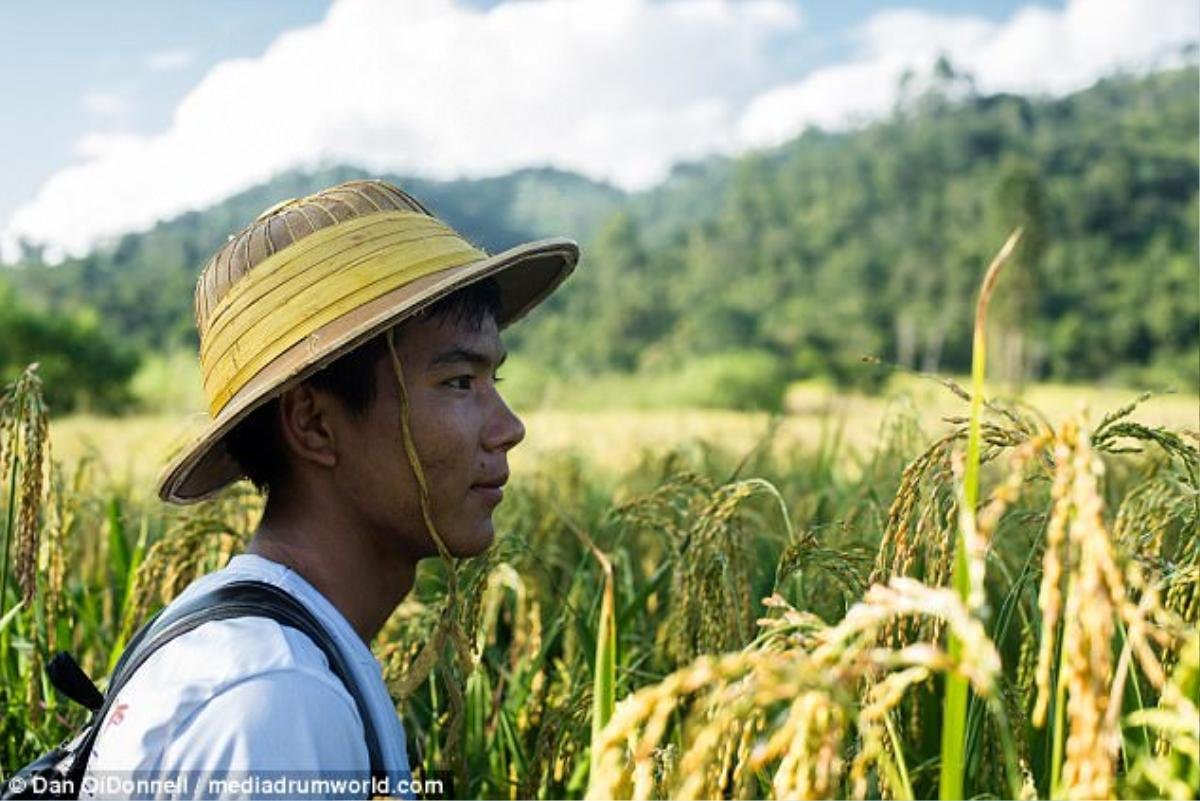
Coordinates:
[721,624]
[969,550]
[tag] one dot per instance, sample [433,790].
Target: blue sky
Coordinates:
[116,114]
[57,55]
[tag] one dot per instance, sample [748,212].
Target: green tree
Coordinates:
[80,366]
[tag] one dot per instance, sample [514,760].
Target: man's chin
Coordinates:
[472,544]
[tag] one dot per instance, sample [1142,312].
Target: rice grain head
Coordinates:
[799,698]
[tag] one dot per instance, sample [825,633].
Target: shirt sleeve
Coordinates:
[286,724]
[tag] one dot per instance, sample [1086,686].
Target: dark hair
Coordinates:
[255,443]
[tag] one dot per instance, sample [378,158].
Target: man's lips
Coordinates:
[491,490]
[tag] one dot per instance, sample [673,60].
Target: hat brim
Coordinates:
[526,274]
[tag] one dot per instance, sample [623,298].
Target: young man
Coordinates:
[349,345]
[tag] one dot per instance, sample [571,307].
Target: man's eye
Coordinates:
[465,381]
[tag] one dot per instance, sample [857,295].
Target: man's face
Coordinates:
[462,431]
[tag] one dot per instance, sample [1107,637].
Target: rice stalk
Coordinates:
[710,608]
[24,445]
[968,552]
[604,678]
[1101,593]
[1172,772]
[24,461]
[810,687]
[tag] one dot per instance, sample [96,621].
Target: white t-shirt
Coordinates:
[246,694]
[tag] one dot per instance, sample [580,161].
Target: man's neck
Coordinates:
[354,572]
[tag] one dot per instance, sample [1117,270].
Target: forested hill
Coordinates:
[815,253]
[837,246]
[142,284]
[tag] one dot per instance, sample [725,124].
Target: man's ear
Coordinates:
[304,422]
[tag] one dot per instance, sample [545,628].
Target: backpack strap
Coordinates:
[233,600]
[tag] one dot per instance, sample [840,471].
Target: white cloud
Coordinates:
[1037,50]
[615,89]
[99,145]
[105,104]
[169,60]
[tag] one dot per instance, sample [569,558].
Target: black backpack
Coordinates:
[64,766]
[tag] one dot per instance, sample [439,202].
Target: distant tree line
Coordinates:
[80,363]
[873,243]
[806,257]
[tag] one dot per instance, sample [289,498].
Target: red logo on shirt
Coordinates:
[118,714]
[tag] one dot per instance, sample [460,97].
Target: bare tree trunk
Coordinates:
[906,341]
[1038,353]
[935,339]
[1010,358]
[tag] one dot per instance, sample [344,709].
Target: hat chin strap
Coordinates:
[449,630]
[414,461]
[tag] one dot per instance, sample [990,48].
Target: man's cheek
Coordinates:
[442,475]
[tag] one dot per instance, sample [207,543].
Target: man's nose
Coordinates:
[505,429]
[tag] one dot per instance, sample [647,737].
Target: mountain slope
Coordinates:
[142,284]
[815,253]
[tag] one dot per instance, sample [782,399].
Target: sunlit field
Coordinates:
[936,591]
[710,604]
[131,449]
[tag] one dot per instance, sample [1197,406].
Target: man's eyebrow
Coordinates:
[468,355]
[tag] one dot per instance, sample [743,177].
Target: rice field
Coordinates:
[958,597]
[131,449]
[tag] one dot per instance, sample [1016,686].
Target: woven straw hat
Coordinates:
[310,280]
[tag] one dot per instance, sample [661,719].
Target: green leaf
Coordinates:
[954,711]
[10,615]
[604,680]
